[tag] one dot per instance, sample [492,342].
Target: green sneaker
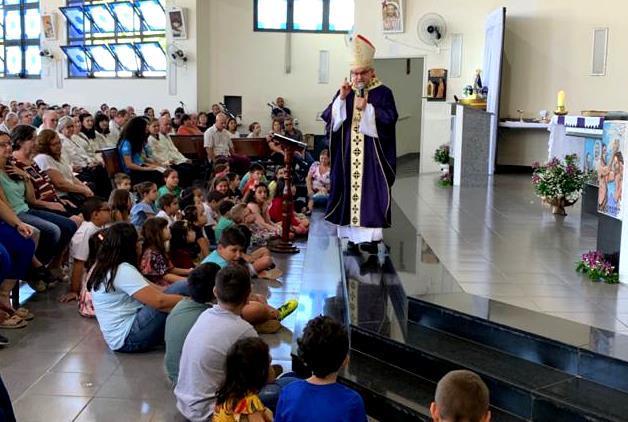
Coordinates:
[287,308]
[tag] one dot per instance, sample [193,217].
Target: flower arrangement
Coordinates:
[445,180]
[558,183]
[597,268]
[441,155]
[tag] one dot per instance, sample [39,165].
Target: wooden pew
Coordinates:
[251,147]
[191,146]
[111,158]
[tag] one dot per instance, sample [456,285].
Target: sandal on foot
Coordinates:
[24,314]
[13,322]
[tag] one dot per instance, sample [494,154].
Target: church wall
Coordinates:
[93,92]
[252,64]
[547,48]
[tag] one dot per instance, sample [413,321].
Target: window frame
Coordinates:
[118,36]
[290,21]
[22,6]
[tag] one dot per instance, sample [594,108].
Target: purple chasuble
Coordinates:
[373,176]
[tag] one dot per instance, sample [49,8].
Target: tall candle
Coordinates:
[561,99]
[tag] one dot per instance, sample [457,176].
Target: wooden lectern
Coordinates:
[284,245]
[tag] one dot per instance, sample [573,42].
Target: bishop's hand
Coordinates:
[345,89]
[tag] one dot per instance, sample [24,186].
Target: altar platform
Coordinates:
[483,279]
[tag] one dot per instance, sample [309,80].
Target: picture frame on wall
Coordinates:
[392,16]
[176,23]
[48,26]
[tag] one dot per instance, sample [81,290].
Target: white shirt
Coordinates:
[79,247]
[201,370]
[219,140]
[75,151]
[46,162]
[162,214]
[114,130]
[164,149]
[116,309]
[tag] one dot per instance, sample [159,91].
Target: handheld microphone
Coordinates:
[360,90]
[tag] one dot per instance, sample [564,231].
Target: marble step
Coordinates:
[528,390]
[591,353]
[392,394]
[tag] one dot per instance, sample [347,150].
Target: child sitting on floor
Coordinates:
[171,180]
[120,203]
[299,224]
[234,185]
[257,201]
[145,209]
[123,181]
[461,396]
[154,263]
[168,208]
[96,214]
[195,216]
[257,312]
[252,178]
[183,247]
[324,348]
[247,370]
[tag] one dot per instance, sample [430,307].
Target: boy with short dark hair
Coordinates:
[96,214]
[201,370]
[266,319]
[201,283]
[324,347]
[461,395]
[230,248]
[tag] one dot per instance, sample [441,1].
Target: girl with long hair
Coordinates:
[131,311]
[155,264]
[132,148]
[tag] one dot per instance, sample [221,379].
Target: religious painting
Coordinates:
[610,167]
[436,84]
[176,22]
[48,26]
[392,16]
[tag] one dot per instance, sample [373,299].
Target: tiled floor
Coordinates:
[60,369]
[501,242]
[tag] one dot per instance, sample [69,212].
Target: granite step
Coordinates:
[528,390]
[392,394]
[596,355]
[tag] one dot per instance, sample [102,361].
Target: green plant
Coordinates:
[597,268]
[441,155]
[556,179]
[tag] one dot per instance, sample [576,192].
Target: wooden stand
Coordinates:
[284,245]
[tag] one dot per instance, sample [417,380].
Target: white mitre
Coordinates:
[363,53]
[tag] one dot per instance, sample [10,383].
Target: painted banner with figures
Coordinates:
[605,156]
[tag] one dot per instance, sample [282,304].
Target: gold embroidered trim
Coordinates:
[357,168]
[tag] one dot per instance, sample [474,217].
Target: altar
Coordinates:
[571,134]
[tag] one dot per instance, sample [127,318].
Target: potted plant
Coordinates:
[441,156]
[597,268]
[558,183]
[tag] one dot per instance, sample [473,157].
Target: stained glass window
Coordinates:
[20,29]
[327,16]
[118,38]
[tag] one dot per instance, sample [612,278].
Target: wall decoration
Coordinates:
[392,16]
[436,84]
[176,23]
[48,26]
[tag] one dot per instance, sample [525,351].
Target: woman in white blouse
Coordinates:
[77,152]
[59,171]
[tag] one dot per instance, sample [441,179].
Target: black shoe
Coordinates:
[3,340]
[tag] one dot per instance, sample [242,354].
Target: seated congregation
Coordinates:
[165,259]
